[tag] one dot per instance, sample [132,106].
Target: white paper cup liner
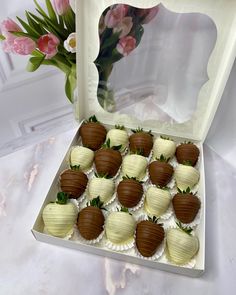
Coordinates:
[67,237]
[77,237]
[120,247]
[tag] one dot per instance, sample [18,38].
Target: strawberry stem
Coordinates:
[62,198]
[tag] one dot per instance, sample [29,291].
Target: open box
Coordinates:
[220,17]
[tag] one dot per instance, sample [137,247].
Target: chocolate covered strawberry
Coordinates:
[129,192]
[134,166]
[187,153]
[118,136]
[149,236]
[91,220]
[59,217]
[160,171]
[93,133]
[108,160]
[73,182]
[181,244]
[164,146]
[141,141]
[120,227]
[186,176]
[186,205]
[101,186]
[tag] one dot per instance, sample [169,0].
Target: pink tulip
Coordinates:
[126,45]
[9,25]
[115,15]
[148,14]
[23,46]
[7,44]
[48,45]
[124,27]
[61,6]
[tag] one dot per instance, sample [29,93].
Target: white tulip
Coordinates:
[70,43]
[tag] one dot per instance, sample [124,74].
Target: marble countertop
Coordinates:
[28,266]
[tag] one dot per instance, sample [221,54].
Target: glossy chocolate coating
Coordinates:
[129,192]
[73,182]
[148,237]
[107,161]
[141,141]
[160,173]
[187,152]
[93,135]
[186,207]
[90,222]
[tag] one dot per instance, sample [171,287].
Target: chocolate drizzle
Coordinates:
[129,192]
[107,161]
[149,236]
[187,153]
[141,141]
[73,182]
[93,135]
[160,173]
[90,222]
[186,207]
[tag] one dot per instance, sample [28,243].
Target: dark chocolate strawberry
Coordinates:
[108,160]
[91,220]
[141,141]
[160,172]
[129,192]
[93,133]
[186,205]
[149,236]
[187,153]
[73,182]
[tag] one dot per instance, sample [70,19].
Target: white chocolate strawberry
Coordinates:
[120,227]
[186,176]
[164,146]
[83,157]
[157,201]
[182,246]
[134,166]
[102,187]
[118,136]
[60,217]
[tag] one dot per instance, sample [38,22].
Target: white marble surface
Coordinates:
[30,267]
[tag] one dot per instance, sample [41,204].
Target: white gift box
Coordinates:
[220,17]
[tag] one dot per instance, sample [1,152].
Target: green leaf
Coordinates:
[39,8]
[75,168]
[111,42]
[22,34]
[36,26]
[28,29]
[138,34]
[51,12]
[2,37]
[71,84]
[37,53]
[62,198]
[34,63]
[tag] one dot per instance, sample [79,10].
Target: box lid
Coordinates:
[218,15]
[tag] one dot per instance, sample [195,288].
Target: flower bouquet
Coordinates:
[120,30]
[49,38]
